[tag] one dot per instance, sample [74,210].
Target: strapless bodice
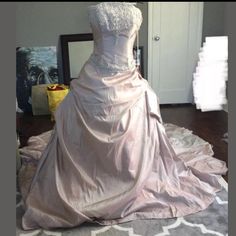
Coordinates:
[114,26]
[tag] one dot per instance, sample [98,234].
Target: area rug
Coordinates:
[212,221]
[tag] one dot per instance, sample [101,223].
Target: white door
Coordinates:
[174,40]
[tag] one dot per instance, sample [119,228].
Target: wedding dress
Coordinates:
[108,159]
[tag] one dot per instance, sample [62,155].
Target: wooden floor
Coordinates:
[211,126]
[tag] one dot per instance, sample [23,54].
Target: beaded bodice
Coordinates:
[114,26]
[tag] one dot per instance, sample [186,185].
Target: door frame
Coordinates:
[195,41]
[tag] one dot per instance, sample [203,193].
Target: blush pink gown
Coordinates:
[109,159]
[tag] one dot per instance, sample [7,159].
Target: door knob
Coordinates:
[156,38]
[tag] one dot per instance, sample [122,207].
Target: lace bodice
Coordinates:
[114,26]
[115,16]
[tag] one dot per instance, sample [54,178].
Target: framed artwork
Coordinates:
[34,65]
[138,56]
[75,51]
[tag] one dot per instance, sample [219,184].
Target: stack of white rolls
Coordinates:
[209,79]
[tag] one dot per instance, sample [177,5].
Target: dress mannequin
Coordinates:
[108,159]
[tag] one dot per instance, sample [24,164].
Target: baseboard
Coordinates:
[225,107]
[223,183]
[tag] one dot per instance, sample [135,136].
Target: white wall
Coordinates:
[41,23]
[213,19]
[143,34]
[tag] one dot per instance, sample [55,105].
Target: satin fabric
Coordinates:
[108,159]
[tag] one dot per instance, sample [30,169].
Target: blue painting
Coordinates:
[34,65]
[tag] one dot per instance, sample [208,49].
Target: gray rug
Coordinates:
[212,221]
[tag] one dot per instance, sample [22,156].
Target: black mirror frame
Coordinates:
[64,42]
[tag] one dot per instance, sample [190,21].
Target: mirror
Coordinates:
[75,50]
